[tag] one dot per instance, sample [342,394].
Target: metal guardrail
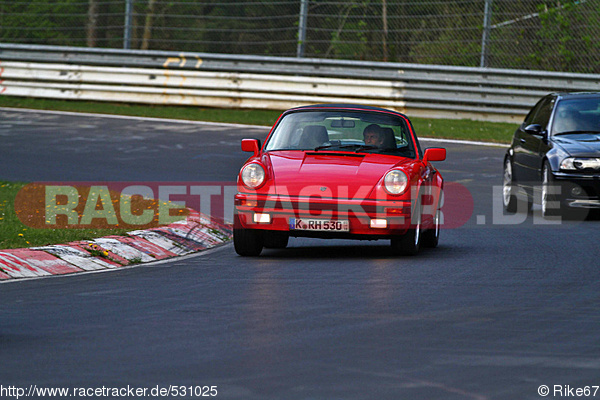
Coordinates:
[220,80]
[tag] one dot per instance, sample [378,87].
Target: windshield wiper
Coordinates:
[326,146]
[358,147]
[339,146]
[366,147]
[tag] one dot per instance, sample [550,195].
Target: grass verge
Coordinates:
[496,132]
[15,234]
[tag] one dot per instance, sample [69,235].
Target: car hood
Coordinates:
[336,175]
[582,144]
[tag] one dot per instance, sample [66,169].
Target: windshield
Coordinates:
[577,116]
[338,130]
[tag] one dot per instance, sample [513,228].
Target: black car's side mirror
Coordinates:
[534,129]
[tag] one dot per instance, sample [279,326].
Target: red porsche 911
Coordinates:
[339,171]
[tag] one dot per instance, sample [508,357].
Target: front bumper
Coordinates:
[359,213]
[577,190]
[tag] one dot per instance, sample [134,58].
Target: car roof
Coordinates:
[572,95]
[354,107]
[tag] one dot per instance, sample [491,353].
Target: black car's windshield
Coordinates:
[575,116]
[339,130]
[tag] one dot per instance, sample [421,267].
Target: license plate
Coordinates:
[322,225]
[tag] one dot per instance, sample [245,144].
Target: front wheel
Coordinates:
[514,199]
[509,198]
[248,242]
[551,205]
[409,243]
[431,237]
[276,240]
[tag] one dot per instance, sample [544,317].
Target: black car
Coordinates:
[556,152]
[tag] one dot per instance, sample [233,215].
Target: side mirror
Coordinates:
[434,154]
[251,145]
[534,129]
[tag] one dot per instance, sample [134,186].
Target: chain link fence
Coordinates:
[551,35]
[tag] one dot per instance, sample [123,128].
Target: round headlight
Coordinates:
[395,182]
[253,175]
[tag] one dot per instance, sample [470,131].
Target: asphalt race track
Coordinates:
[503,306]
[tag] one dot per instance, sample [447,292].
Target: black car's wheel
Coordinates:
[276,240]
[409,243]
[551,204]
[248,242]
[513,197]
[509,197]
[431,237]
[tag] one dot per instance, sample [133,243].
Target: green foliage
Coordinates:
[556,26]
[559,38]
[449,40]
[555,35]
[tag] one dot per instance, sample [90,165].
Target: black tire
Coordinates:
[276,240]
[509,196]
[409,243]
[248,242]
[551,203]
[513,197]
[431,237]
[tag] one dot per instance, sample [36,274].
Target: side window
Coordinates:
[544,112]
[540,113]
[531,114]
